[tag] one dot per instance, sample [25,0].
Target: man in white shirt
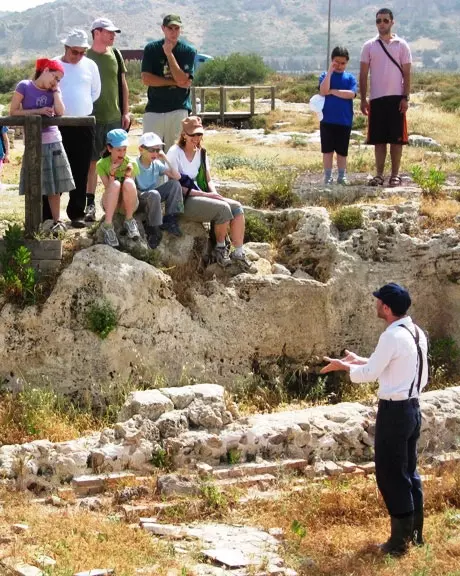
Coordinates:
[80,87]
[400,365]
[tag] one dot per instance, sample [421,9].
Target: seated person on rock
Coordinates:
[117,172]
[202,203]
[153,163]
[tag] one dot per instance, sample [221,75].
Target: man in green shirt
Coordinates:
[167,70]
[110,113]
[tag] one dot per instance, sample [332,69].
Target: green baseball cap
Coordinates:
[172,19]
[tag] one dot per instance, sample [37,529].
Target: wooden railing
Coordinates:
[32,159]
[223,113]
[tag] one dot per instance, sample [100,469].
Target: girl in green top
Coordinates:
[117,172]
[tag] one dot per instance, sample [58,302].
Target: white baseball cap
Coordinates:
[76,38]
[150,139]
[104,23]
[317,104]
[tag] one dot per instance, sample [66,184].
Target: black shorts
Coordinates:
[386,123]
[334,138]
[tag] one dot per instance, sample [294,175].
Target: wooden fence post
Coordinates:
[222,104]
[33,173]
[193,97]
[252,91]
[272,90]
[202,99]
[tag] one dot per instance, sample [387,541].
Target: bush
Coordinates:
[102,318]
[18,280]
[275,189]
[430,182]
[236,69]
[444,355]
[257,230]
[347,218]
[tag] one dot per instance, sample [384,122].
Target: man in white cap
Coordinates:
[80,87]
[112,107]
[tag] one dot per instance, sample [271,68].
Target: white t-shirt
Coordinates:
[80,87]
[180,162]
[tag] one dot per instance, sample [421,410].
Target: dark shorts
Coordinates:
[99,142]
[334,138]
[386,123]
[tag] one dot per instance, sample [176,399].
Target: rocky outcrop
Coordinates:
[208,434]
[215,324]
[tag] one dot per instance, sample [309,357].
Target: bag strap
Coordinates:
[418,374]
[119,58]
[396,64]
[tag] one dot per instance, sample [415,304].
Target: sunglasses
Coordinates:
[77,52]
[384,20]
[152,149]
[195,135]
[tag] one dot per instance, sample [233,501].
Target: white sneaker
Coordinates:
[131,228]
[110,238]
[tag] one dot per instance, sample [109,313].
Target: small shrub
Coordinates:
[347,218]
[160,459]
[430,182]
[214,499]
[258,121]
[257,230]
[275,189]
[102,318]
[444,354]
[298,141]
[233,456]
[18,280]
[235,69]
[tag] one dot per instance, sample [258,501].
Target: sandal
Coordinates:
[376,181]
[395,181]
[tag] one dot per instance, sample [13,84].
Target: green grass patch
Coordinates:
[347,218]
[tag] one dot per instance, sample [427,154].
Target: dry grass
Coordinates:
[439,214]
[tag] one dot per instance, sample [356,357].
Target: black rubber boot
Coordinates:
[401,536]
[417,530]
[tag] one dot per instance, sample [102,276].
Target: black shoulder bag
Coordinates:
[391,57]
[120,72]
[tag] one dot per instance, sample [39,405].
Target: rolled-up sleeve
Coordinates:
[379,360]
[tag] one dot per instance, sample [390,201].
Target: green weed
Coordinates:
[18,280]
[430,182]
[233,456]
[275,189]
[347,218]
[257,230]
[102,318]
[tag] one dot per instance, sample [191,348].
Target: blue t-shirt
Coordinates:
[3,130]
[339,110]
[147,179]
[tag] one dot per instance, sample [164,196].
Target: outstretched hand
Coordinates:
[334,365]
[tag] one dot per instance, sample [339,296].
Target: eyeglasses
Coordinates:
[77,52]
[380,20]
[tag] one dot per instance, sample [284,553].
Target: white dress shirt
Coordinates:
[80,87]
[394,362]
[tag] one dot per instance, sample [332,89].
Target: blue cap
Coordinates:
[117,138]
[395,297]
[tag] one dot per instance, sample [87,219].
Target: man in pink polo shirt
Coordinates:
[388,58]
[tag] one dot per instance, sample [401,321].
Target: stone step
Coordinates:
[246,481]
[135,513]
[90,484]
[256,468]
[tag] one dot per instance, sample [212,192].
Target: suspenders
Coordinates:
[418,375]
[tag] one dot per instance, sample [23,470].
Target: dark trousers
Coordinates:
[396,433]
[78,144]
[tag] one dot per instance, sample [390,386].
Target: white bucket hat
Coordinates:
[150,139]
[76,38]
[317,105]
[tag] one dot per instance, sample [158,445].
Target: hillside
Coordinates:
[290,34]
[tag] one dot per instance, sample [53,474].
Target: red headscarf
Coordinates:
[52,65]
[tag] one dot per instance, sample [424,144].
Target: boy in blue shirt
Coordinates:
[339,88]
[153,164]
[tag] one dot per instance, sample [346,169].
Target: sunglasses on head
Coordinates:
[77,52]
[380,20]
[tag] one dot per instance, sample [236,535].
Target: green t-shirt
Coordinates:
[168,98]
[106,109]
[103,168]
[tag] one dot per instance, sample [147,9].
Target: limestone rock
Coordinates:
[172,424]
[176,485]
[148,403]
[174,251]
[181,396]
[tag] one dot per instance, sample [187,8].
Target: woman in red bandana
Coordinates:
[41,95]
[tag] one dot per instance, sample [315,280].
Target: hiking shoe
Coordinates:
[110,238]
[343,181]
[328,181]
[58,228]
[154,236]
[90,213]
[243,262]
[78,223]
[172,227]
[221,256]
[131,228]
